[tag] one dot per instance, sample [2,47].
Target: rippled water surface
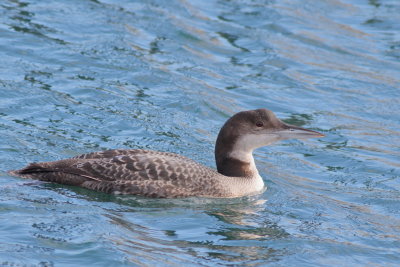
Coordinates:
[79,76]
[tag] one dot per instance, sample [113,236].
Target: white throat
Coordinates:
[243,150]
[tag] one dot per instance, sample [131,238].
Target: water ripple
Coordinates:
[80,76]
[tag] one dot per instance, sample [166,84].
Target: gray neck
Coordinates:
[230,160]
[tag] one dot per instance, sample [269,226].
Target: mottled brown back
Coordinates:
[140,172]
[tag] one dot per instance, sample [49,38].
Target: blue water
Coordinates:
[79,76]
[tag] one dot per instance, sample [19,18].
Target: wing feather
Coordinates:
[136,171]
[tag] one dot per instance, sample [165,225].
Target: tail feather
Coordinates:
[34,167]
[48,173]
[30,169]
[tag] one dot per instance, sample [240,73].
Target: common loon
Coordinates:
[168,175]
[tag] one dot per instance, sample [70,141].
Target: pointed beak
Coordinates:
[288,131]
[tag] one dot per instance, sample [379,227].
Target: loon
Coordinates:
[168,175]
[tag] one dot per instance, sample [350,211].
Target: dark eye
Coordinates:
[259,124]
